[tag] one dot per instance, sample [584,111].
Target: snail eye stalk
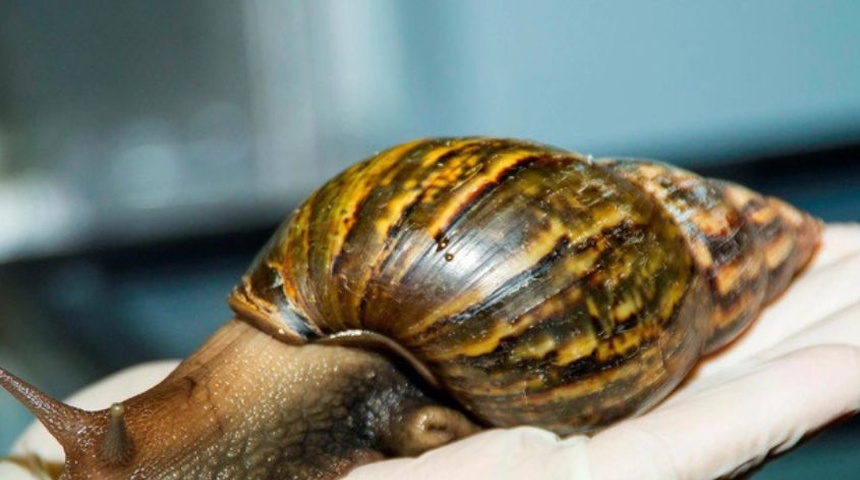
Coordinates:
[98,434]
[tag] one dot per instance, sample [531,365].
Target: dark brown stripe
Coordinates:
[474,201]
[505,291]
[418,150]
[561,326]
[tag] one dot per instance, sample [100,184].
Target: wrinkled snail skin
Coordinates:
[246,406]
[529,284]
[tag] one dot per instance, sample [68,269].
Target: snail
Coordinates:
[444,286]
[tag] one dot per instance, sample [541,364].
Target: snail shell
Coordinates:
[535,285]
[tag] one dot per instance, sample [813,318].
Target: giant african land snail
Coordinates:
[442,286]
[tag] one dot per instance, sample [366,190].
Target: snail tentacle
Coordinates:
[117,446]
[64,422]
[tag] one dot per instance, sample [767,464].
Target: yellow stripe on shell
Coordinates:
[467,190]
[779,250]
[353,194]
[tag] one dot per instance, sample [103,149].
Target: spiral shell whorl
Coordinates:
[538,286]
[747,246]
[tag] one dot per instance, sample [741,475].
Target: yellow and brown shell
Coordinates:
[538,286]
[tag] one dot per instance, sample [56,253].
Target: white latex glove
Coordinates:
[796,370]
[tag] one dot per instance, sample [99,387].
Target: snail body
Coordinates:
[531,285]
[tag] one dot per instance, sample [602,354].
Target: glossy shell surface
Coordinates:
[539,286]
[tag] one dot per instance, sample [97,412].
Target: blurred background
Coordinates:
[147,150]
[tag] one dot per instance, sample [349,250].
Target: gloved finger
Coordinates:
[813,298]
[729,423]
[517,453]
[10,470]
[839,240]
[722,429]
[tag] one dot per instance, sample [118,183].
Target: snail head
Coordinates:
[247,405]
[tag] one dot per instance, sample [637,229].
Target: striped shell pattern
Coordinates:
[538,286]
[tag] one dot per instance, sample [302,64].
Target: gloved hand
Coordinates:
[793,372]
